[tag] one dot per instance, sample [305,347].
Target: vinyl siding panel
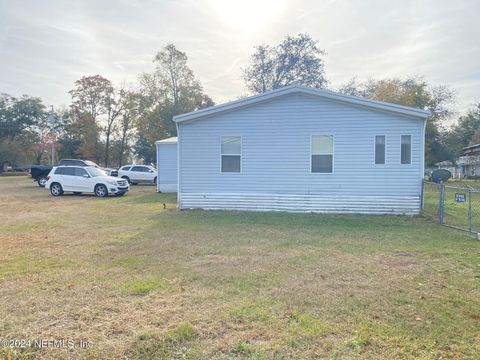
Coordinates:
[303,203]
[276,156]
[167,167]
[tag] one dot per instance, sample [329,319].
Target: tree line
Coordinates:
[105,123]
[110,123]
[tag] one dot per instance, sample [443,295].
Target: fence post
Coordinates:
[441,203]
[469,210]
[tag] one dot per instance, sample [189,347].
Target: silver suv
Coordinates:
[138,174]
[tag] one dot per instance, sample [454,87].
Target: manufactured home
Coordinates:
[167,165]
[303,150]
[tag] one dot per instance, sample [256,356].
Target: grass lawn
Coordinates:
[142,282]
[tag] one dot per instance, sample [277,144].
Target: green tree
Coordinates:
[297,59]
[475,138]
[414,92]
[143,148]
[19,115]
[68,133]
[465,132]
[90,97]
[20,123]
[128,121]
[114,107]
[170,90]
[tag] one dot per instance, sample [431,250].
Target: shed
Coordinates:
[304,150]
[167,165]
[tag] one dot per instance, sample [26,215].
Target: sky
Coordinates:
[46,45]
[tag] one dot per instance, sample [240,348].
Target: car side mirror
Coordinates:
[86,176]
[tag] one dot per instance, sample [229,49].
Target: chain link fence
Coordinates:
[457,206]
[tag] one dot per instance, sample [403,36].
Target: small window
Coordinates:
[380,149]
[60,171]
[80,172]
[231,150]
[70,171]
[406,149]
[322,154]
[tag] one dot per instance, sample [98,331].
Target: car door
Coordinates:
[68,178]
[147,174]
[124,171]
[150,174]
[144,174]
[82,180]
[136,174]
[59,175]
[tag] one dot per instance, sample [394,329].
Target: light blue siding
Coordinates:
[276,158]
[167,167]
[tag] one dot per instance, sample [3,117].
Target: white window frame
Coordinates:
[241,155]
[411,149]
[333,154]
[375,149]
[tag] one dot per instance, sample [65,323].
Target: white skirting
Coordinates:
[400,205]
[167,188]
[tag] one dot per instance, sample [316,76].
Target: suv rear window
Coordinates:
[71,163]
[125,168]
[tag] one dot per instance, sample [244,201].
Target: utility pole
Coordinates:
[51,121]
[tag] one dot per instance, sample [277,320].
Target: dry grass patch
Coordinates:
[141,281]
[178,343]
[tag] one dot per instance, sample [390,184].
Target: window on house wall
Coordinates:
[231,150]
[380,149]
[322,154]
[406,149]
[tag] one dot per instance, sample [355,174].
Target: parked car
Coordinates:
[39,173]
[80,179]
[136,174]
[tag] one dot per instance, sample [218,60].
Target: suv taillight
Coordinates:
[48,178]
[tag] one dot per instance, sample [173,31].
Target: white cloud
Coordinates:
[46,46]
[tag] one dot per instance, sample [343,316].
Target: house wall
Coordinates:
[276,159]
[472,170]
[167,167]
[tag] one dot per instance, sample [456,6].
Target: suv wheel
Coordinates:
[42,180]
[101,191]
[155,180]
[126,178]
[56,189]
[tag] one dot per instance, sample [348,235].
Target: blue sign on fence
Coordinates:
[460,197]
